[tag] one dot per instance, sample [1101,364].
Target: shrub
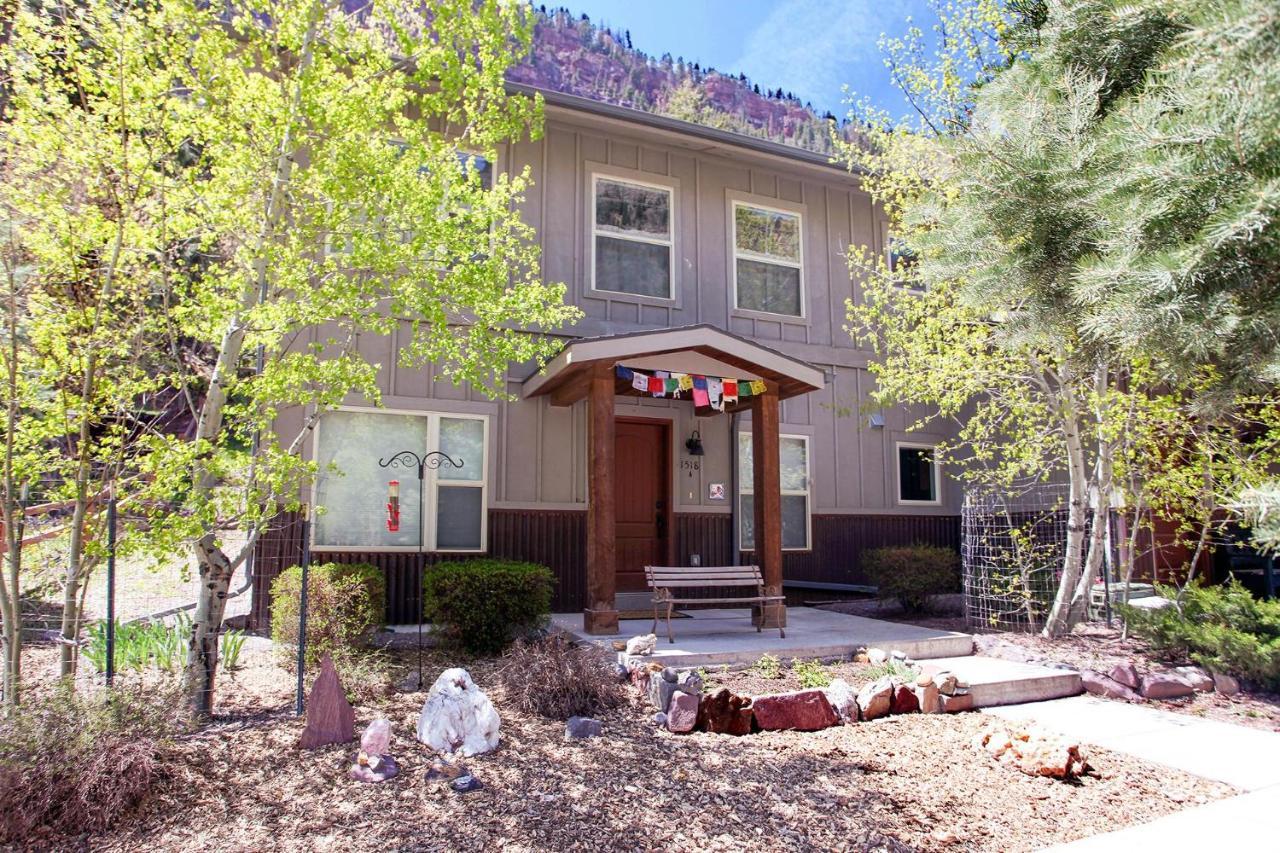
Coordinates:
[811,673]
[1223,628]
[482,605]
[73,764]
[912,574]
[345,603]
[554,678]
[768,666]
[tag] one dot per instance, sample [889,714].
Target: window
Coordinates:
[767,260]
[918,474]
[447,509]
[793,453]
[900,257]
[632,245]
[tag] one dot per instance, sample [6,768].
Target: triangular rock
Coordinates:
[330,717]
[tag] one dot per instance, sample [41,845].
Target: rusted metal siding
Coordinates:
[556,539]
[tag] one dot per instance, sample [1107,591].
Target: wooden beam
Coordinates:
[572,390]
[601,615]
[767,489]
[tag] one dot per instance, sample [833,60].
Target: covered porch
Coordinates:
[599,370]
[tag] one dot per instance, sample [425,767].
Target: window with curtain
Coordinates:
[767,260]
[917,474]
[632,239]
[793,457]
[447,509]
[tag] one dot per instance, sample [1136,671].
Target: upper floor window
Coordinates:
[918,474]
[444,511]
[767,260]
[632,239]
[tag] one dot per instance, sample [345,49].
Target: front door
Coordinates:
[642,475]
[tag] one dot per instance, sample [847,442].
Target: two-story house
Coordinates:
[705,410]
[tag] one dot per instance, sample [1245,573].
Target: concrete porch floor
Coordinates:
[727,638]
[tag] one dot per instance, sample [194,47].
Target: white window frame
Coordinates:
[898,447]
[807,492]
[759,257]
[430,485]
[669,242]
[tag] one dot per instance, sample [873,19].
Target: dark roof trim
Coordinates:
[675,125]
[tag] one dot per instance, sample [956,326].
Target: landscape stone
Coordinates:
[724,712]
[803,710]
[1100,685]
[875,699]
[1199,679]
[956,703]
[1164,685]
[374,768]
[898,654]
[904,700]
[660,719]
[642,645]
[841,696]
[376,739]
[1227,685]
[876,656]
[661,691]
[578,728]
[1126,674]
[458,716]
[946,682]
[928,698]
[682,716]
[330,717]
[690,681]
[669,674]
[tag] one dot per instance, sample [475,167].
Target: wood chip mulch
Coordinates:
[897,784]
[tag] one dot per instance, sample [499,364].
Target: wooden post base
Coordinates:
[769,615]
[600,621]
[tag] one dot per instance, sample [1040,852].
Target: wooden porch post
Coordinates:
[767,488]
[601,615]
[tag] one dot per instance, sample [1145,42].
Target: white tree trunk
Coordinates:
[1058,622]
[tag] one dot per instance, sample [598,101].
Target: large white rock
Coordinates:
[458,716]
[843,699]
[642,645]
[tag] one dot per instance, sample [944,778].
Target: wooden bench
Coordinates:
[667,582]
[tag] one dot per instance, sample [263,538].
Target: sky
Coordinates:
[808,47]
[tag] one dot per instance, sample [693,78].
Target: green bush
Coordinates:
[345,603]
[482,605]
[913,573]
[1223,628]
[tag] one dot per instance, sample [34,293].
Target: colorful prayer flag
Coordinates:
[744,388]
[686,381]
[672,385]
[700,397]
[730,391]
[656,386]
[639,381]
[624,373]
[699,382]
[757,386]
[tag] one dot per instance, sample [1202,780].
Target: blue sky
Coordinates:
[808,47]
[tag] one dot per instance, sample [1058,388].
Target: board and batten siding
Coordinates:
[538,452]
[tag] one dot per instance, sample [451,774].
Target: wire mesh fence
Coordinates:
[1012,545]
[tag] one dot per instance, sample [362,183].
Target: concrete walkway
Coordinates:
[726,637]
[1245,758]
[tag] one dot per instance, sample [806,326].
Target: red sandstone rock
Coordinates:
[904,700]
[956,703]
[1165,685]
[1126,674]
[724,712]
[330,718]
[804,710]
[1099,685]
[682,713]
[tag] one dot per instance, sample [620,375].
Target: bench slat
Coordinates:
[745,599]
[703,584]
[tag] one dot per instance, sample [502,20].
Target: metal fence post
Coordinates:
[111,589]
[302,610]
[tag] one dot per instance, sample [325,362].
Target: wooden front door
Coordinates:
[641,485]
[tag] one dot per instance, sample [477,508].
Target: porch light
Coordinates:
[694,445]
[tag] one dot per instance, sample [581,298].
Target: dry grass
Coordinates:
[556,679]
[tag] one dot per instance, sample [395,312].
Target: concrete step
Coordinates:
[993,681]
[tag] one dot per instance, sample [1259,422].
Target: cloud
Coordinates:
[812,47]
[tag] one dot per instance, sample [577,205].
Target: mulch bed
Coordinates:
[901,783]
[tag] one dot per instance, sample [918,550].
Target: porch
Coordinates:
[716,637]
[630,494]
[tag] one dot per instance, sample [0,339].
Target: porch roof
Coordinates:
[708,350]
